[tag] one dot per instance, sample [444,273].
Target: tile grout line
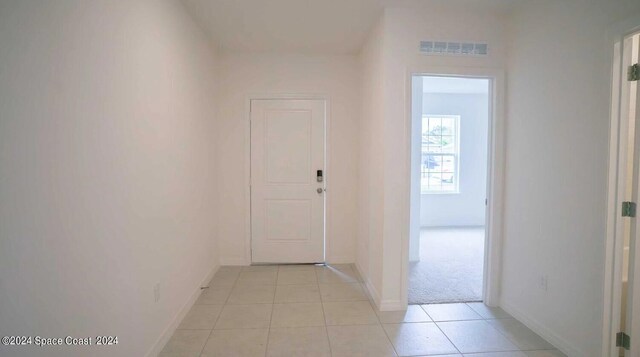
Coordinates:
[438,326]
[449,339]
[324,316]
[485,319]
[386,334]
[375,312]
[217,318]
[505,336]
[266,348]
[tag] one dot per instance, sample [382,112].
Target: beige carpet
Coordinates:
[450,267]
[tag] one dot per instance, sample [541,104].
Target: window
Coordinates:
[440,154]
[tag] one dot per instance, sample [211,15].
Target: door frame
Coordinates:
[614,243]
[327,162]
[495,174]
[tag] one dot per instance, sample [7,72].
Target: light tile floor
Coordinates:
[305,310]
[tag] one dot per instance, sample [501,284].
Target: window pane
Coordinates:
[448,143]
[447,178]
[435,179]
[448,188]
[431,162]
[439,154]
[434,147]
[435,126]
[448,126]
[448,164]
[424,182]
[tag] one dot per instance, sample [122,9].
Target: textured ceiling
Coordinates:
[304,26]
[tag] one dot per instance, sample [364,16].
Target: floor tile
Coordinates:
[414,313]
[224,278]
[520,334]
[230,268]
[488,312]
[412,339]
[451,312]
[185,343]
[497,354]
[239,306]
[201,317]
[257,278]
[359,341]
[297,293]
[261,268]
[244,316]
[298,341]
[214,295]
[297,267]
[475,336]
[297,315]
[331,275]
[237,343]
[252,294]
[296,277]
[342,292]
[349,313]
[551,353]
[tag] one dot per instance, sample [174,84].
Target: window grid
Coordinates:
[440,154]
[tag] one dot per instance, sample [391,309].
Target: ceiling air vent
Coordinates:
[454,48]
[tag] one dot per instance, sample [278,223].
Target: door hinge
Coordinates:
[628,209]
[633,73]
[623,340]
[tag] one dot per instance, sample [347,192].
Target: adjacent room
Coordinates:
[191,178]
[451,143]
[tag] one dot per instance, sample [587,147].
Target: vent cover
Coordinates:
[454,48]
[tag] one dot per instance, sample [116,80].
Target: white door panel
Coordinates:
[287,211]
[632,92]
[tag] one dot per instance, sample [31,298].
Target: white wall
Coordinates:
[557,136]
[417,95]
[369,243]
[395,51]
[467,207]
[107,170]
[335,77]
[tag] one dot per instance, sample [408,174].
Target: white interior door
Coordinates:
[287,193]
[631,91]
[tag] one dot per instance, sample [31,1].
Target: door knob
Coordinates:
[319,190]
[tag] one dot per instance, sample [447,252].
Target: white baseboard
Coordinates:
[381,305]
[454,226]
[391,305]
[168,332]
[370,289]
[544,332]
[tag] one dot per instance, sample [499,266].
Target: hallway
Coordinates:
[324,311]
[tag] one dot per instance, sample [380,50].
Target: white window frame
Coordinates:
[456,157]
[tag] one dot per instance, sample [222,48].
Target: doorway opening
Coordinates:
[288,180]
[623,249]
[449,166]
